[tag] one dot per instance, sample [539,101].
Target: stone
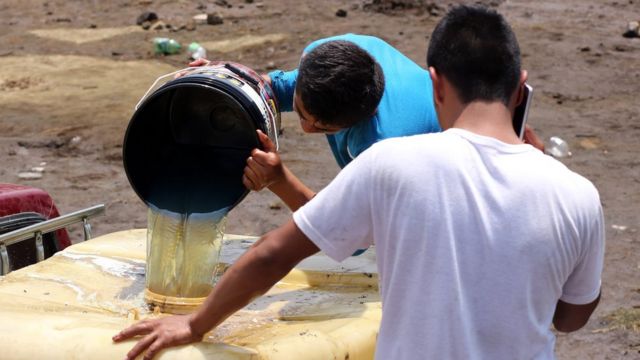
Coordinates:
[146,16]
[435,9]
[341,13]
[146,25]
[75,141]
[633,30]
[275,205]
[214,18]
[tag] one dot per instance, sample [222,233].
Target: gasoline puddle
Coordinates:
[120,268]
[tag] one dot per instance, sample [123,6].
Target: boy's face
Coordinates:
[308,122]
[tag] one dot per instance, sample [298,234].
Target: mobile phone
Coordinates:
[522,111]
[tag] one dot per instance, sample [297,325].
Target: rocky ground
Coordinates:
[71,73]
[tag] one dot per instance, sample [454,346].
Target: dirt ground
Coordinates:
[72,71]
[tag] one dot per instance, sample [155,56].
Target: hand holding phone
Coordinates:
[522,111]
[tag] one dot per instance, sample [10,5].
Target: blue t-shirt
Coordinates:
[406,107]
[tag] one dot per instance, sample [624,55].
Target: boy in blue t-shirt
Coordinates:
[357,90]
[406,107]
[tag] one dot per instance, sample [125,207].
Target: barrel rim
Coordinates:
[208,82]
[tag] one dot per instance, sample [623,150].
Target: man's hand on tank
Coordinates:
[264,167]
[158,334]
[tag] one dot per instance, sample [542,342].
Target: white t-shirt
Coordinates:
[476,241]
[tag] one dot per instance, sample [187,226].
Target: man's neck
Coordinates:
[488,119]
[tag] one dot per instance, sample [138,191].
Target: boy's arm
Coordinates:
[291,190]
[265,169]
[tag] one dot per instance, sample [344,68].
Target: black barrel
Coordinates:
[187,143]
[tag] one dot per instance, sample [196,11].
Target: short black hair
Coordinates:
[476,50]
[340,83]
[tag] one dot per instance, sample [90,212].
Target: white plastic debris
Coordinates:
[200,19]
[30,175]
[557,147]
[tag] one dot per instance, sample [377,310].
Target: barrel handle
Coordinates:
[210,64]
[153,86]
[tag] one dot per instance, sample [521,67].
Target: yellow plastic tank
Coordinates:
[70,305]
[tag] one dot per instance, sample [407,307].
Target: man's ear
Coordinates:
[438,86]
[524,75]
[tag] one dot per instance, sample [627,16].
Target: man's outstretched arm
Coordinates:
[253,274]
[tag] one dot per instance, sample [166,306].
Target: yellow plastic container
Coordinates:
[69,307]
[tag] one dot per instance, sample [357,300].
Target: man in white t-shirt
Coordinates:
[482,242]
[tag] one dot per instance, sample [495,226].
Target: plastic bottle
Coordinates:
[166,46]
[557,147]
[196,51]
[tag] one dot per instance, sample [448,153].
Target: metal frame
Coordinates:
[36,230]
